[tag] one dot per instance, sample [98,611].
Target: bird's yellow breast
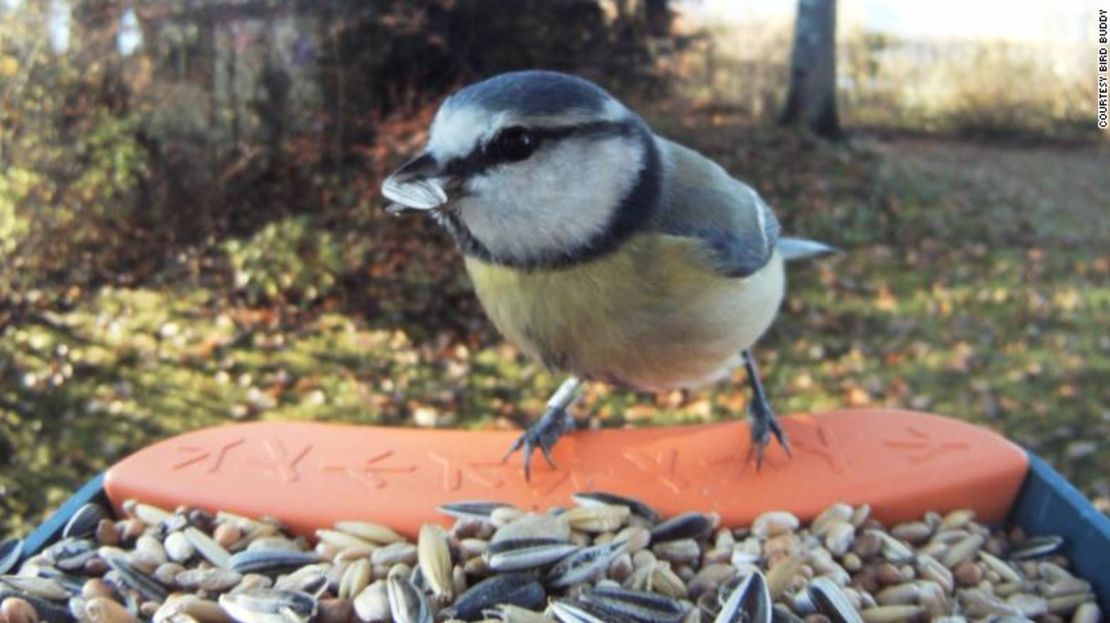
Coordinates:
[651,315]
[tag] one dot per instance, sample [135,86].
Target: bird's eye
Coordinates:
[513,145]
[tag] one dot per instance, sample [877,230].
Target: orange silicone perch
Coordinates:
[310,475]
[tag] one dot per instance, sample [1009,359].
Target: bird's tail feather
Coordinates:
[801,248]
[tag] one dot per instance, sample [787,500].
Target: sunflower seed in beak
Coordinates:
[416,185]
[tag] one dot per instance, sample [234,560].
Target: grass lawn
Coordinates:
[975,282]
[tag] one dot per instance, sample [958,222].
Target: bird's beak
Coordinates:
[417,185]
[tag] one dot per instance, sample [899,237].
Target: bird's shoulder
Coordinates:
[699,199]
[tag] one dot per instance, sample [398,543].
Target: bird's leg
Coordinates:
[555,422]
[763,420]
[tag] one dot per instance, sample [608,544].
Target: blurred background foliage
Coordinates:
[191,233]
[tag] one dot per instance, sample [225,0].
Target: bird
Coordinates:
[604,251]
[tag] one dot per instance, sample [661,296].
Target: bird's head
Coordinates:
[532,168]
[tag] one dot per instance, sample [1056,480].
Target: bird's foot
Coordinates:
[764,424]
[555,423]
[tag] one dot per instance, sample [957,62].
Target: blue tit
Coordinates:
[604,251]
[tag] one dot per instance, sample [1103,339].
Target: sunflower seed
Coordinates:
[831,601]
[583,564]
[749,602]
[517,555]
[685,526]
[147,586]
[1036,547]
[406,603]
[266,605]
[575,611]
[472,510]
[270,561]
[10,552]
[517,589]
[83,523]
[636,605]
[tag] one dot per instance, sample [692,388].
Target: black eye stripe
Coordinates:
[478,160]
[512,144]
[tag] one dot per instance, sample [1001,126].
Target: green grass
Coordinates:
[954,294]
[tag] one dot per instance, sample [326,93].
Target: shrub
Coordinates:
[289,260]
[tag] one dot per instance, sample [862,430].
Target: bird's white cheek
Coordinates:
[553,203]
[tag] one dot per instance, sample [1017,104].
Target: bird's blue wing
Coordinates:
[699,199]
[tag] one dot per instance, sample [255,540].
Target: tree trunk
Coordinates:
[811,101]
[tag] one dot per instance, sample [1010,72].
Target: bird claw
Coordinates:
[544,434]
[764,425]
